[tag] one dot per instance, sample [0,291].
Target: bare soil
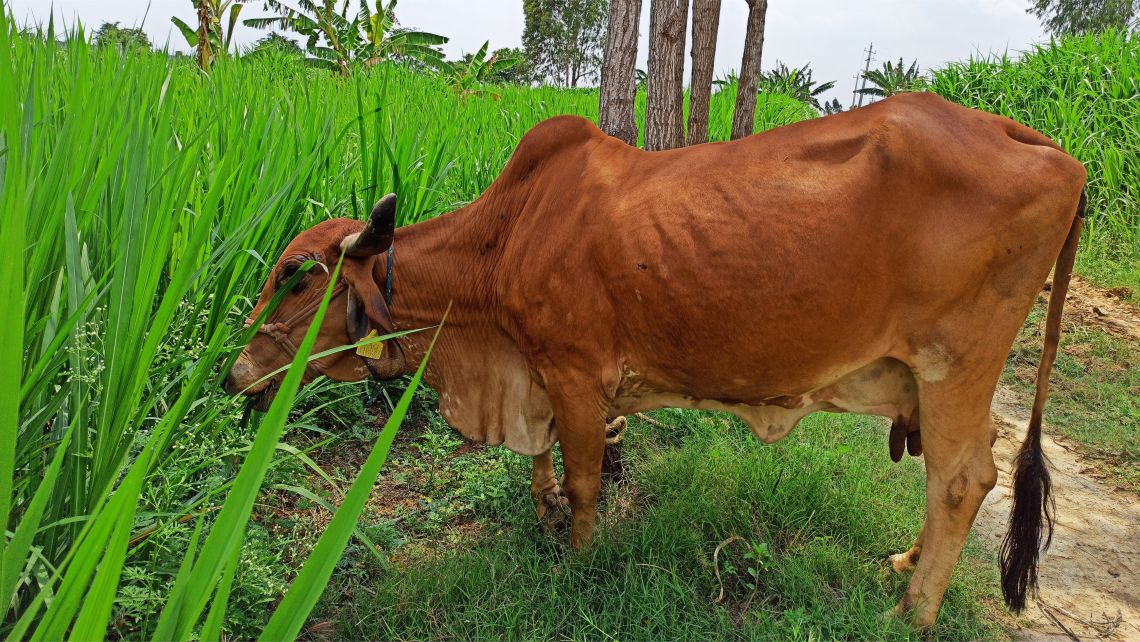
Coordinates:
[1090,576]
[1104,309]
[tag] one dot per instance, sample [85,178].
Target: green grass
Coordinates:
[1094,394]
[1084,92]
[819,512]
[144,201]
[130,199]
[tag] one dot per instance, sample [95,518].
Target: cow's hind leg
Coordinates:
[550,502]
[906,561]
[960,472]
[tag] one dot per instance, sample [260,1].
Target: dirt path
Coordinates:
[1090,577]
[1103,309]
[1091,573]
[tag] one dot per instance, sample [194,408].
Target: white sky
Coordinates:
[831,34]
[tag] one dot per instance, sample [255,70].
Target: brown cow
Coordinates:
[879,261]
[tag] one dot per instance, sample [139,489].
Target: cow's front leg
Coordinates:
[582,459]
[550,502]
[582,434]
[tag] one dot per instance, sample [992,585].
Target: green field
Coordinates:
[817,513]
[147,201]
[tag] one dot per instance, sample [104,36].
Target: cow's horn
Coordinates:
[376,236]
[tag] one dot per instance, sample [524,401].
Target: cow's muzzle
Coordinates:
[244,379]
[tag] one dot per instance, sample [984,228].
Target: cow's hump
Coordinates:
[547,141]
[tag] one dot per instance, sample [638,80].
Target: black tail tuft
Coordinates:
[1032,499]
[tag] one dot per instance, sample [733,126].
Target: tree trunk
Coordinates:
[664,127]
[706,20]
[744,118]
[205,55]
[619,83]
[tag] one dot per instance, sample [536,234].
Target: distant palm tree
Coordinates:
[832,107]
[794,82]
[892,79]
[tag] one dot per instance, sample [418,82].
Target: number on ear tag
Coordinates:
[372,350]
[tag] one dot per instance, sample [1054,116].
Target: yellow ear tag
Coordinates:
[372,350]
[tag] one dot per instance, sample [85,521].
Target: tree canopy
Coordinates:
[110,33]
[276,42]
[1086,16]
[563,39]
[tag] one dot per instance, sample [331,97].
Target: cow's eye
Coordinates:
[287,272]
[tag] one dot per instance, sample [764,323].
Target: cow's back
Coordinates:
[821,243]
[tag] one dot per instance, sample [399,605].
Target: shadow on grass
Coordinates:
[818,513]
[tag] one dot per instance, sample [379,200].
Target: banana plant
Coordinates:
[796,82]
[383,40]
[892,79]
[209,40]
[335,41]
[317,22]
[466,78]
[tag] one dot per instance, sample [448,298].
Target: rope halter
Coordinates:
[279,331]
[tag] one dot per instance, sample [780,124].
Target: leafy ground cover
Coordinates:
[816,516]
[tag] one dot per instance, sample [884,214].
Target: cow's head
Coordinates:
[358,307]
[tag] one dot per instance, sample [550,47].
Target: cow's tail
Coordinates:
[1032,489]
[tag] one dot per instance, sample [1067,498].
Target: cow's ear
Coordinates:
[357,322]
[366,308]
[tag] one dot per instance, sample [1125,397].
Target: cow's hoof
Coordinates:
[553,510]
[903,563]
[919,620]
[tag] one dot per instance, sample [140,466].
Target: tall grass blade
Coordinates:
[188,601]
[294,609]
[12,243]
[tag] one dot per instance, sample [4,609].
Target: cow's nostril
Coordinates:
[244,378]
[232,384]
[238,377]
[228,386]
